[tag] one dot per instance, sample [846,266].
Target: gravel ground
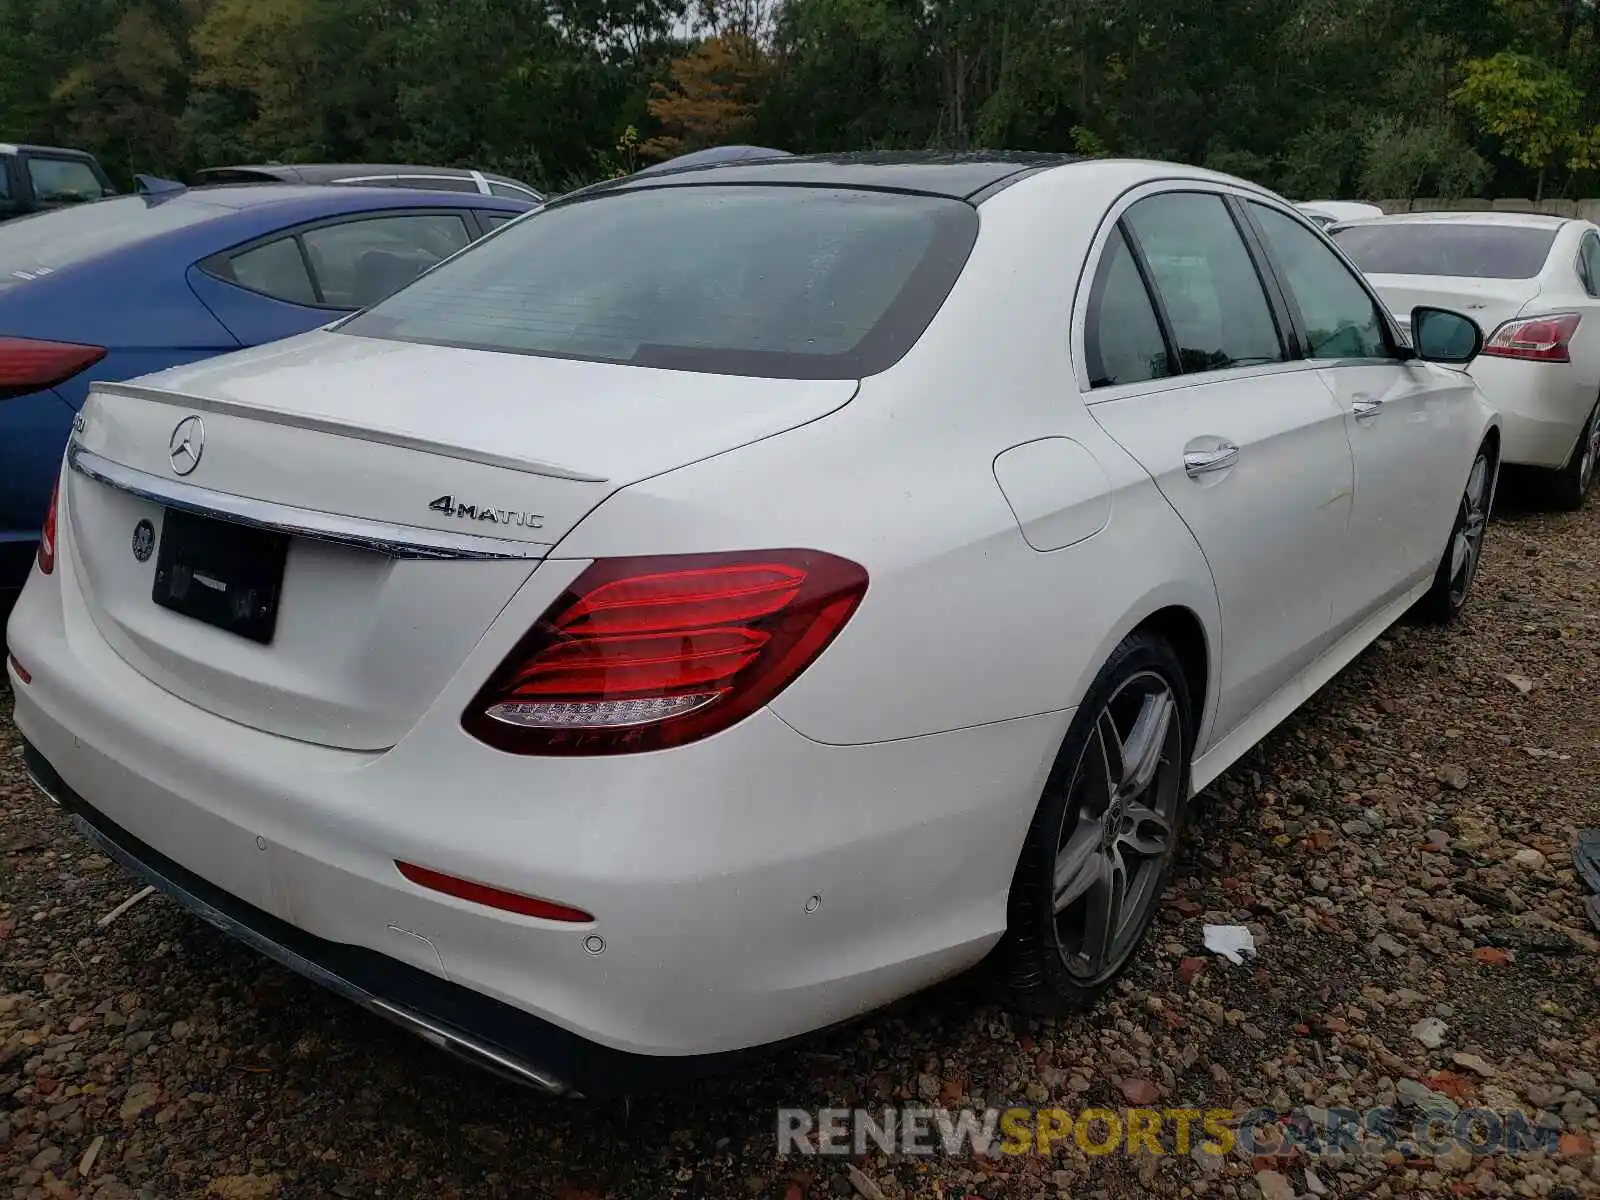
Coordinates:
[1401,850]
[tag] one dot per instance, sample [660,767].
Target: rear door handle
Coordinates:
[1213,458]
[1366,408]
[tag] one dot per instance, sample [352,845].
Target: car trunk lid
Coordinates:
[1489,302]
[417,488]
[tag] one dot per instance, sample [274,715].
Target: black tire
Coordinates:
[1569,486]
[1463,550]
[1043,961]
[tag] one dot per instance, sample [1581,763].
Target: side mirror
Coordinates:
[1442,336]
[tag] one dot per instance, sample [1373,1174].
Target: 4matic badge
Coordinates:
[483,512]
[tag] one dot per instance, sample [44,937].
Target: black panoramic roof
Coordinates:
[957,176]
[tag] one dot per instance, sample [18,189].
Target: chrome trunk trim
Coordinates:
[382,537]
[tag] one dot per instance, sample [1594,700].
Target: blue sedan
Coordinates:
[133,284]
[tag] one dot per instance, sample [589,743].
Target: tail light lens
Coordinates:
[27,365]
[646,653]
[47,535]
[1535,339]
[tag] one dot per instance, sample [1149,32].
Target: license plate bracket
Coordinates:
[227,575]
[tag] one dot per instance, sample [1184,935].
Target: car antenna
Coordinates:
[154,185]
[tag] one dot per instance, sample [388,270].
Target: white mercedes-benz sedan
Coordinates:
[732,598]
[1533,283]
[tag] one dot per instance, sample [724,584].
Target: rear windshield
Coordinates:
[1464,251]
[44,242]
[796,282]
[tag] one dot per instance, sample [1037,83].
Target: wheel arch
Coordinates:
[1187,617]
[1491,438]
[1181,628]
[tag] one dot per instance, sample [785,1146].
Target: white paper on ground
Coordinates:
[1230,941]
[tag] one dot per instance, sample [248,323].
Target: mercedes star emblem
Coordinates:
[187,444]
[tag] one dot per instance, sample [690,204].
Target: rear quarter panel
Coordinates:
[963,622]
[251,317]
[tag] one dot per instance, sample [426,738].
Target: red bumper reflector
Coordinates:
[22,671]
[492,897]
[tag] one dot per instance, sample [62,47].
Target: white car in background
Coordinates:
[1327,212]
[729,599]
[1533,283]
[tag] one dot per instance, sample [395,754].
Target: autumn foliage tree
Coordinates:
[713,98]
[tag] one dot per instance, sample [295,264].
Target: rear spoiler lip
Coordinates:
[364,433]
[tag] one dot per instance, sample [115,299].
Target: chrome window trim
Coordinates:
[360,533]
[382,178]
[1109,393]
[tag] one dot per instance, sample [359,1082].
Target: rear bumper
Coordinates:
[747,889]
[482,1031]
[1542,406]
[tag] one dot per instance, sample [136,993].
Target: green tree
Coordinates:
[124,94]
[1529,105]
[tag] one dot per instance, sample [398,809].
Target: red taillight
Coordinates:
[22,671]
[27,365]
[646,653]
[493,897]
[1535,339]
[47,535]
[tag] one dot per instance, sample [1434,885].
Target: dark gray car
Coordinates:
[34,178]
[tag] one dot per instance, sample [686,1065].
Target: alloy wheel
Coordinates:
[1467,544]
[1120,827]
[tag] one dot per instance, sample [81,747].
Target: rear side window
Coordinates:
[1589,260]
[797,282]
[1460,250]
[1214,301]
[276,269]
[510,191]
[63,180]
[49,241]
[348,264]
[358,263]
[1122,337]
